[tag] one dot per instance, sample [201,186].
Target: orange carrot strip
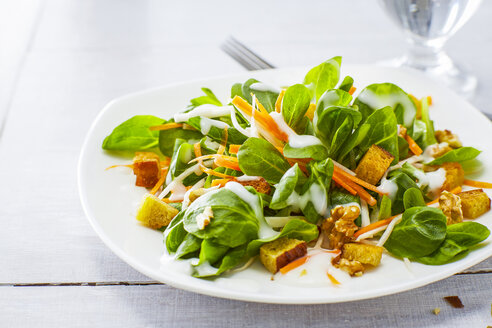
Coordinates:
[198,149]
[123,165]
[224,162]
[333,279]
[167,200]
[414,147]
[294,264]
[340,181]
[358,181]
[160,182]
[455,191]
[310,111]
[352,90]
[374,225]
[362,193]
[265,120]
[220,182]
[278,103]
[417,104]
[166,126]
[234,149]
[260,107]
[429,100]
[208,171]
[478,184]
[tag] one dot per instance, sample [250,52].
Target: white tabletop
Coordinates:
[62,61]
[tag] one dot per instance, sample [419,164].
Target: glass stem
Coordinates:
[427,55]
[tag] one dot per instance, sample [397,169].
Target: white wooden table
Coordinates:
[62,61]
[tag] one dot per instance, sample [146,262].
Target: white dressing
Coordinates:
[206,110]
[295,140]
[206,124]
[264,231]
[258,86]
[388,187]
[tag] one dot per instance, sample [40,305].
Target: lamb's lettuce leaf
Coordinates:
[323,77]
[295,104]
[459,155]
[134,134]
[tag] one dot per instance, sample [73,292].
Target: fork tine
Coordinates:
[249,53]
[240,58]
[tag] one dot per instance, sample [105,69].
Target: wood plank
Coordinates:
[164,306]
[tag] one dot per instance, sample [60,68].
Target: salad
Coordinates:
[305,173]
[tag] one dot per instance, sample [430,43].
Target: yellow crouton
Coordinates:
[277,254]
[474,203]
[374,164]
[365,254]
[194,194]
[448,137]
[147,168]
[455,175]
[154,213]
[260,185]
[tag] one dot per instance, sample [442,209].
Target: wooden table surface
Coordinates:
[62,61]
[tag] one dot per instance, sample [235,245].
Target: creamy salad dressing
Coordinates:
[262,87]
[265,231]
[315,194]
[379,101]
[236,125]
[206,110]
[295,140]
[206,124]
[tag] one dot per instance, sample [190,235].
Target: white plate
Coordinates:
[110,198]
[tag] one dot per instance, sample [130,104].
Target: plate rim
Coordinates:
[241,295]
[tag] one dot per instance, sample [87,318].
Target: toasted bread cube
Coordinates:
[194,194]
[455,175]
[154,213]
[277,254]
[374,164]
[260,185]
[474,203]
[448,137]
[147,168]
[365,254]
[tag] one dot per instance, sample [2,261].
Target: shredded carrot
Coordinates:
[208,171]
[416,150]
[340,181]
[278,103]
[429,100]
[123,165]
[418,105]
[198,149]
[220,182]
[374,225]
[234,149]
[363,194]
[260,107]
[477,184]
[265,120]
[166,126]
[294,264]
[358,181]
[223,144]
[310,111]
[333,279]
[160,182]
[352,90]
[455,191]
[223,161]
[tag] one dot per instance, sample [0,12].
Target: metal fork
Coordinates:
[243,55]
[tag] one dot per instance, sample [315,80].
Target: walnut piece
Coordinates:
[354,268]
[340,226]
[450,138]
[450,205]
